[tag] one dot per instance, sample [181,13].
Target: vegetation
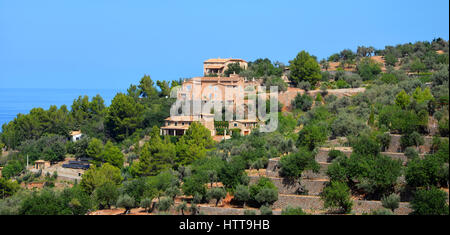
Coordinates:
[132,165]
[430,202]
[337,196]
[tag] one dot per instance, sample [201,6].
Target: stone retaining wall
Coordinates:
[315,203]
[273,170]
[228,211]
[395,147]
[322,154]
[311,187]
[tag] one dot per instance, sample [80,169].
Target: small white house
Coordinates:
[75,135]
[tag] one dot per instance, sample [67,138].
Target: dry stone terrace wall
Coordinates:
[307,202]
[322,154]
[395,147]
[312,187]
[208,210]
[273,170]
[286,97]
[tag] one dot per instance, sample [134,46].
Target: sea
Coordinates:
[21,100]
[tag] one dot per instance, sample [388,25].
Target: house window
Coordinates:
[235,124]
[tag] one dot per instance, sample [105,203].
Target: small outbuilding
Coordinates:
[41,164]
[76,135]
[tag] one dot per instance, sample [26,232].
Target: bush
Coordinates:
[368,69]
[193,185]
[106,195]
[12,168]
[8,187]
[126,202]
[216,193]
[269,195]
[375,174]
[293,165]
[293,211]
[382,211]
[391,202]
[365,145]
[250,212]
[304,85]
[425,172]
[146,203]
[265,210]
[71,201]
[337,196]
[165,203]
[443,127]
[389,78]
[242,194]
[311,136]
[319,98]
[333,154]
[413,139]
[303,102]
[342,84]
[182,207]
[347,124]
[337,171]
[430,202]
[384,140]
[411,152]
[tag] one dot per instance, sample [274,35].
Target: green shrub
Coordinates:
[265,210]
[391,202]
[382,211]
[293,211]
[444,127]
[342,84]
[293,165]
[430,202]
[146,203]
[337,196]
[263,192]
[216,193]
[165,203]
[303,102]
[126,202]
[267,196]
[411,152]
[242,194]
[384,140]
[250,212]
[333,154]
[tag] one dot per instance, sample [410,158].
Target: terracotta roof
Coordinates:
[247,121]
[186,118]
[180,118]
[214,79]
[214,66]
[185,127]
[220,60]
[72,133]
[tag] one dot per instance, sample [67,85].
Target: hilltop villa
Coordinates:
[212,89]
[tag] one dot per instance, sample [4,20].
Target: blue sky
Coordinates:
[111,44]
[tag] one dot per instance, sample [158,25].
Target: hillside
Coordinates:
[371,139]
